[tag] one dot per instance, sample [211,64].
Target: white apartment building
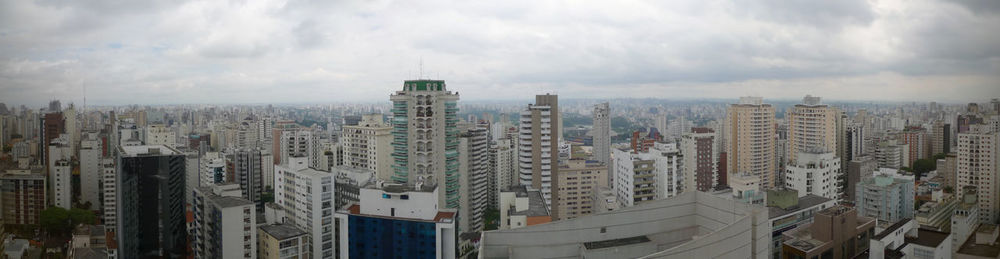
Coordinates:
[503,163]
[90,169]
[367,146]
[307,196]
[473,178]
[813,173]
[977,167]
[646,176]
[298,143]
[224,223]
[60,172]
[159,134]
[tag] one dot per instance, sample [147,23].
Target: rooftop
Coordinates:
[971,248]
[891,228]
[441,216]
[928,238]
[282,231]
[805,202]
[616,242]
[223,201]
[148,150]
[536,204]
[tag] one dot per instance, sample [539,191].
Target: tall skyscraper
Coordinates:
[602,133]
[425,137]
[940,138]
[367,144]
[700,159]
[60,172]
[978,150]
[147,203]
[750,140]
[90,169]
[538,145]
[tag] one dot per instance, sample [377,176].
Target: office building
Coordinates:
[224,223]
[144,198]
[700,159]
[836,232]
[22,196]
[814,173]
[520,207]
[367,145]
[575,184]
[398,221]
[306,194]
[281,241]
[538,145]
[664,228]
[886,198]
[425,137]
[978,156]
[474,178]
[602,133]
[749,138]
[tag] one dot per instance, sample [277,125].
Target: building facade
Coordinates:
[147,202]
[886,198]
[700,159]
[425,137]
[576,183]
[367,145]
[538,145]
[602,132]
[397,221]
[977,159]
[224,223]
[306,194]
[22,196]
[750,140]
[814,173]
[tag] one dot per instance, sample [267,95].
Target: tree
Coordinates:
[922,166]
[949,189]
[81,216]
[55,219]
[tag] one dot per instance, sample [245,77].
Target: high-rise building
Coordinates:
[940,138]
[52,126]
[917,140]
[750,140]
[425,137]
[22,196]
[947,169]
[503,169]
[576,182]
[814,172]
[306,194]
[60,172]
[398,221]
[474,180]
[812,127]
[859,168]
[159,134]
[247,166]
[91,150]
[700,159]
[298,143]
[602,133]
[885,197]
[367,145]
[224,223]
[978,151]
[146,202]
[538,145]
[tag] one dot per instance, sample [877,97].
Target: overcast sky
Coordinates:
[163,52]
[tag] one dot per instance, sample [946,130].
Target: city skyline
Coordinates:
[273,51]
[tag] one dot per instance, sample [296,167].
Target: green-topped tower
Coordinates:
[425,137]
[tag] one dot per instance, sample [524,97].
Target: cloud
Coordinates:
[283,51]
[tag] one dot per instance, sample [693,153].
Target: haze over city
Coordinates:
[267,51]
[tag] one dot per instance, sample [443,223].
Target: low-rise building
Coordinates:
[520,207]
[836,232]
[787,211]
[281,241]
[886,198]
[906,239]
